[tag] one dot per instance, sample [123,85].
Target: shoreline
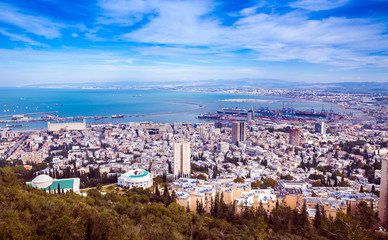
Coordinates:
[266,100]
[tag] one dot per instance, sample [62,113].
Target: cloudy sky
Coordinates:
[56,41]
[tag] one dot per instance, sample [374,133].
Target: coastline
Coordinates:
[266,100]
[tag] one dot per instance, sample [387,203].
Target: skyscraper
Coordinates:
[182,158]
[239,131]
[294,136]
[320,127]
[250,115]
[383,202]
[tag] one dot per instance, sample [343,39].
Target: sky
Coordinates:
[72,41]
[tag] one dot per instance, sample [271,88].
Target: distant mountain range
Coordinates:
[228,84]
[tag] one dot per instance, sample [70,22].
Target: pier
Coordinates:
[26,114]
[56,118]
[152,114]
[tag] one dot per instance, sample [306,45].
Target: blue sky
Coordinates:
[52,41]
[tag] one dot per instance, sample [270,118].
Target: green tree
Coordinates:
[239,180]
[318,218]
[268,182]
[366,216]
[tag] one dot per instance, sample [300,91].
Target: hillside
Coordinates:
[27,213]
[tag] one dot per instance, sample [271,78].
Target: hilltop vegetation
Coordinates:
[27,213]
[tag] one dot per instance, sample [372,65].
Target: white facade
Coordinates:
[49,184]
[136,178]
[54,127]
[42,181]
[320,127]
[182,158]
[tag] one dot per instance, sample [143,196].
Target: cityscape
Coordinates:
[194,120]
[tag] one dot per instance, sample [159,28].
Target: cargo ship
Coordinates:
[117,116]
[232,111]
[310,114]
[16,126]
[210,116]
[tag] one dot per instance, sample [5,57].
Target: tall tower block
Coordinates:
[182,158]
[383,201]
[239,131]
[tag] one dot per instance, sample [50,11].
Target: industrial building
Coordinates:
[54,127]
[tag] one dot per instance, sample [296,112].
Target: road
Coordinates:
[9,153]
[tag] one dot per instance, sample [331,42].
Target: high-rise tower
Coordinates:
[383,201]
[320,127]
[294,136]
[239,131]
[182,158]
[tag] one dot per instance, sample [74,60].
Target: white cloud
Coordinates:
[293,36]
[180,22]
[21,38]
[125,12]
[173,51]
[129,61]
[74,35]
[318,5]
[273,37]
[37,25]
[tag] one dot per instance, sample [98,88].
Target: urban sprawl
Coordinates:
[327,164]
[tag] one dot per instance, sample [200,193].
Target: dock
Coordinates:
[26,114]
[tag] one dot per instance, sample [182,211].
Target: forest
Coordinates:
[28,213]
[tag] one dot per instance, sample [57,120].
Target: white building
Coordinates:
[182,158]
[47,183]
[320,127]
[136,178]
[54,127]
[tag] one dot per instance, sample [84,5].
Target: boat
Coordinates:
[310,114]
[117,116]
[138,95]
[209,116]
[59,104]
[16,126]
[232,111]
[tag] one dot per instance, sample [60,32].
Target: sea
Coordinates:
[108,102]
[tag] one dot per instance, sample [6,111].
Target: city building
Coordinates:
[294,136]
[9,134]
[54,127]
[222,147]
[135,178]
[383,202]
[182,158]
[49,184]
[250,115]
[320,127]
[239,130]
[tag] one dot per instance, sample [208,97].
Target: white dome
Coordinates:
[42,181]
[136,178]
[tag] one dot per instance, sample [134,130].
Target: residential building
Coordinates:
[182,158]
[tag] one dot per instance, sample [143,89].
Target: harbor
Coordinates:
[50,116]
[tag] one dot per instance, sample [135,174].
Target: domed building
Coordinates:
[49,184]
[136,178]
[42,181]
